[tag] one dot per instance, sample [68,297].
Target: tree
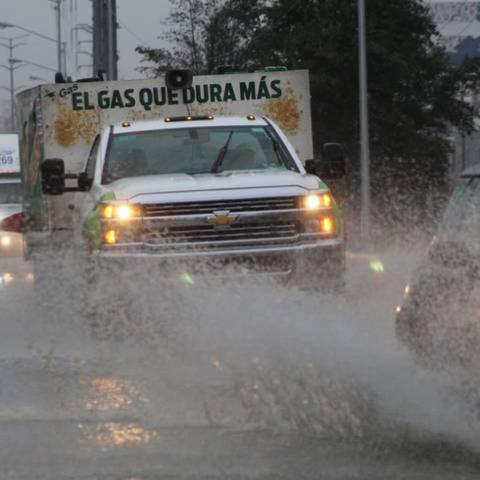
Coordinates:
[231,32]
[188,24]
[205,34]
[416,95]
[158,61]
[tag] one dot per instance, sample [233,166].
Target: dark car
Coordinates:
[439,319]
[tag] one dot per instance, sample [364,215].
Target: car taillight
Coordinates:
[13,223]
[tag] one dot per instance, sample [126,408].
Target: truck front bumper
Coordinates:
[276,260]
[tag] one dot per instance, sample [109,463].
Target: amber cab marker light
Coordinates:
[126,124]
[251,117]
[168,119]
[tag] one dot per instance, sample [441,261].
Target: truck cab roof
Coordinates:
[183,122]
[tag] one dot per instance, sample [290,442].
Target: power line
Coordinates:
[453,18]
[466,28]
[131,32]
[13,64]
[446,24]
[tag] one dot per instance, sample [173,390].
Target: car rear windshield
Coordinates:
[461,222]
[195,151]
[10,193]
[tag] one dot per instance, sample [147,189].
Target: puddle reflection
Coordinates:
[110,435]
[110,393]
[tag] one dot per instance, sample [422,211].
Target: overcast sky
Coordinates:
[140,23]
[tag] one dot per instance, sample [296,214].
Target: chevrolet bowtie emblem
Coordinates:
[222,219]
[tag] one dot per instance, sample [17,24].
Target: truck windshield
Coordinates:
[195,151]
[462,218]
[10,193]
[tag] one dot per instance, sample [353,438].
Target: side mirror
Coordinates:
[312,166]
[53,176]
[333,161]
[332,164]
[84,182]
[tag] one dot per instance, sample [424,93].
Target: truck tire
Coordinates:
[59,282]
[323,274]
[114,309]
[129,307]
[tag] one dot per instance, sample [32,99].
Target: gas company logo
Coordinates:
[63,92]
[222,219]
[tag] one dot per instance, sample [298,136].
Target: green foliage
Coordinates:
[415,94]
[205,34]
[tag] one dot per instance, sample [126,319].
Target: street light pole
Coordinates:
[57,7]
[38,65]
[13,114]
[40,35]
[11,62]
[34,78]
[364,127]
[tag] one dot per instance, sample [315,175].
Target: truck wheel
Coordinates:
[59,283]
[324,275]
[47,282]
[113,311]
[102,309]
[332,283]
[412,332]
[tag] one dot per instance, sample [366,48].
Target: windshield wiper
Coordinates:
[276,146]
[221,155]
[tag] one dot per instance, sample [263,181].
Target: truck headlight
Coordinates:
[315,201]
[122,211]
[6,241]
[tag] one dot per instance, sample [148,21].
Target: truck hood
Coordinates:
[183,187]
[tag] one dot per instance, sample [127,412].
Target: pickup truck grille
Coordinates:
[209,236]
[196,208]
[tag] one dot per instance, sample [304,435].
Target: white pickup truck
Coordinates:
[211,174]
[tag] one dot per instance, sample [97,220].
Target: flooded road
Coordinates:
[255,382]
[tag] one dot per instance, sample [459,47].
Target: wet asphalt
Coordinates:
[73,407]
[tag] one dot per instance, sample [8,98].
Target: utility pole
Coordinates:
[60,46]
[12,66]
[364,127]
[105,37]
[87,28]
